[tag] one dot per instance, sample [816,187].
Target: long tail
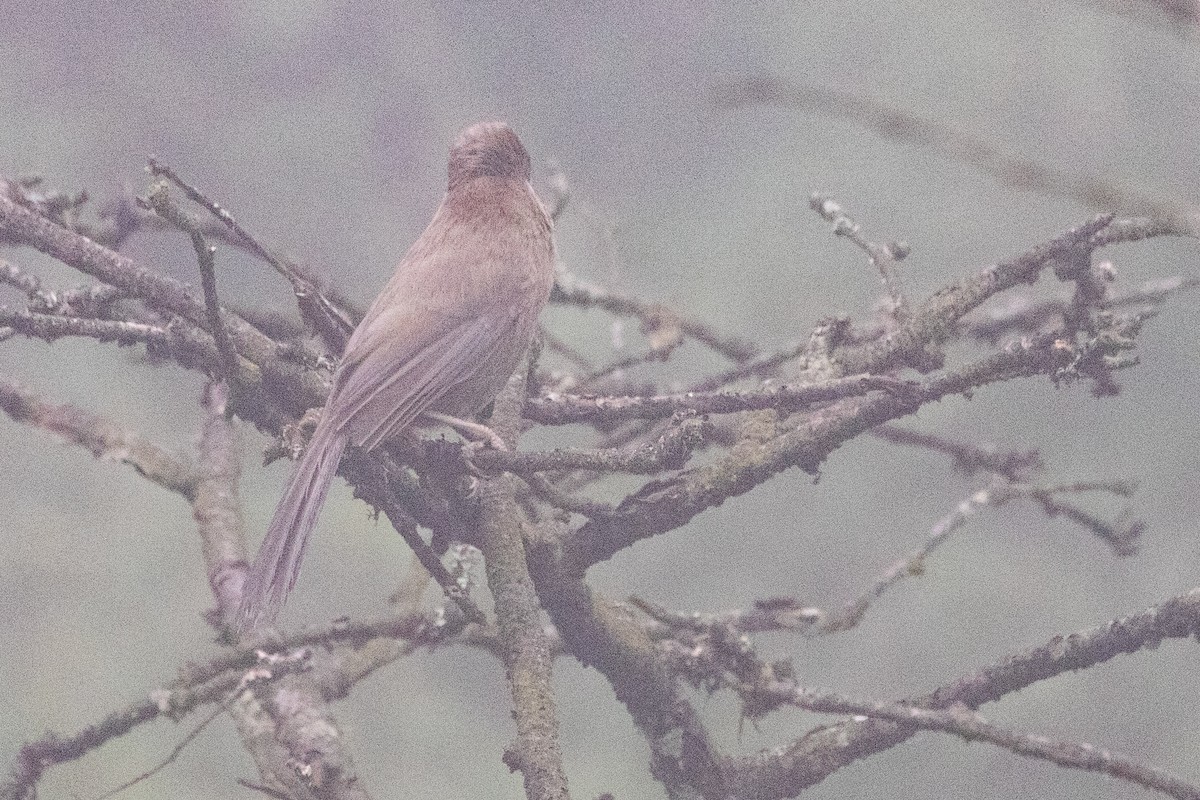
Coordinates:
[278,563]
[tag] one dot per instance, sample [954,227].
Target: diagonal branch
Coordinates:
[1018,171]
[665,505]
[102,437]
[161,293]
[569,290]
[932,323]
[334,321]
[788,770]
[962,721]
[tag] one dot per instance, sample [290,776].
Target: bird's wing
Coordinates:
[388,386]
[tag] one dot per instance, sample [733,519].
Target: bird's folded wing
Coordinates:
[386,389]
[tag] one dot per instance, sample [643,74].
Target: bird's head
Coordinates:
[488,149]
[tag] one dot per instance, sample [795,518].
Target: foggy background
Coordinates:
[324,127]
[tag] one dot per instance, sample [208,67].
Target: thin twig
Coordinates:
[913,564]
[573,291]
[556,344]
[333,321]
[998,494]
[883,257]
[547,491]
[160,202]
[967,458]
[170,759]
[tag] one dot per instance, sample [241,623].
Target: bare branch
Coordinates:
[665,505]
[967,458]
[162,293]
[50,327]
[160,202]
[999,494]
[847,381]
[569,290]
[35,757]
[526,647]
[334,321]
[1023,173]
[217,508]
[883,257]
[786,771]
[670,451]
[567,409]
[102,437]
[933,322]
[962,721]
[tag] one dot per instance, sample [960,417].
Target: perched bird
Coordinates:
[436,346]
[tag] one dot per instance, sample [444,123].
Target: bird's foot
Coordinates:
[478,437]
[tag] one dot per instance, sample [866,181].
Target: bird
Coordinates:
[435,347]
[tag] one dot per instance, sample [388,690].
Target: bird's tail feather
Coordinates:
[277,565]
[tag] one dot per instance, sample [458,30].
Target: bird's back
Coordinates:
[455,318]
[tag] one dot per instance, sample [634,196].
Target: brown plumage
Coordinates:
[442,337]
